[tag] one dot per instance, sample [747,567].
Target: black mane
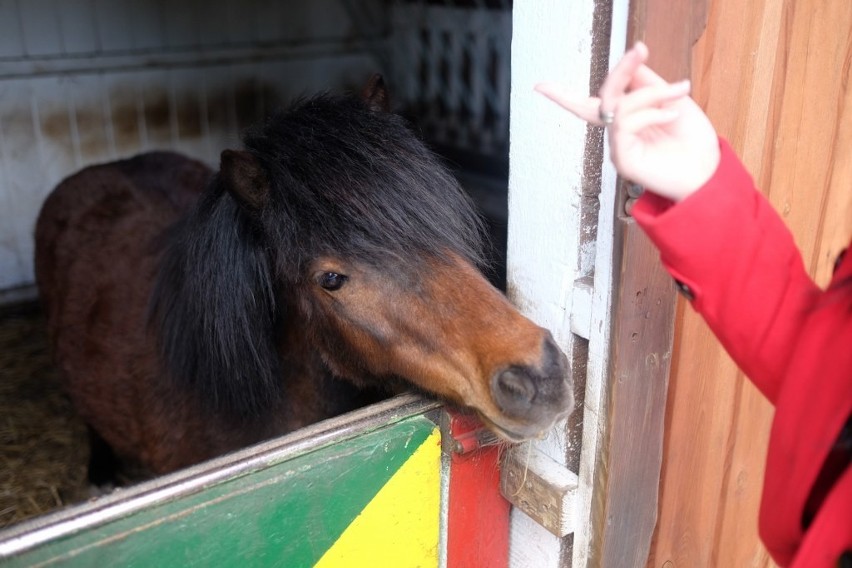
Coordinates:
[345,180]
[356,182]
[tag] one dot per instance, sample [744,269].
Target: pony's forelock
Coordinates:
[355,182]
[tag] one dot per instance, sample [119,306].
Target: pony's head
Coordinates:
[338,225]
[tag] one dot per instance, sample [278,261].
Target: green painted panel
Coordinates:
[285,515]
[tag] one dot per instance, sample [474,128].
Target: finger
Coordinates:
[645,77]
[655,96]
[585,108]
[638,121]
[619,78]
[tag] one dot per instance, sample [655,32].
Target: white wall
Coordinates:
[86,81]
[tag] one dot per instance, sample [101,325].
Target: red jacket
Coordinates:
[736,260]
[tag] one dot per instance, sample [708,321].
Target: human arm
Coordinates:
[745,275]
[715,232]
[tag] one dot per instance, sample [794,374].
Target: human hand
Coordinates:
[659,137]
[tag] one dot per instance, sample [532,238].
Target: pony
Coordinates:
[332,261]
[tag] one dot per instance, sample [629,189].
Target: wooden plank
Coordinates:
[816,76]
[543,489]
[836,226]
[695,461]
[643,315]
[759,72]
[707,394]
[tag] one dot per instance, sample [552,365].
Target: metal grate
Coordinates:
[460,55]
[449,63]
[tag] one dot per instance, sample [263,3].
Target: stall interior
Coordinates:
[90,81]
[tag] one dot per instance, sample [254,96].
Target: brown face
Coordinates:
[446,330]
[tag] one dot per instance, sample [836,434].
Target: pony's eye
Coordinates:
[332,281]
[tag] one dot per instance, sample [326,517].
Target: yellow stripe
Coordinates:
[399,527]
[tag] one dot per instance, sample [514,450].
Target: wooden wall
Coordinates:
[774,77]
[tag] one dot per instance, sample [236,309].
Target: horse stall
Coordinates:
[407,480]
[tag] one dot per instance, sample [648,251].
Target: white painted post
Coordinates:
[552,40]
[595,411]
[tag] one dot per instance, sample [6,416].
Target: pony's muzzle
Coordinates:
[535,395]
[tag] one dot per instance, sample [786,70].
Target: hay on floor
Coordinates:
[43,444]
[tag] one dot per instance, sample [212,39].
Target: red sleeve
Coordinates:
[729,246]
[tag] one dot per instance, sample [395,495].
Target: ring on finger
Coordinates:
[606,116]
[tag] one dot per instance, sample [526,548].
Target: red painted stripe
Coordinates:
[478,523]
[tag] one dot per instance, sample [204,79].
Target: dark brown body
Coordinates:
[90,231]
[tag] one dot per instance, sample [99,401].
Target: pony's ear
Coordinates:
[244,178]
[375,94]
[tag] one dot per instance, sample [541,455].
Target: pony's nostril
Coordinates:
[516,385]
[534,396]
[514,391]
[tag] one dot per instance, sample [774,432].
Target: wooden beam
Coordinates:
[643,323]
